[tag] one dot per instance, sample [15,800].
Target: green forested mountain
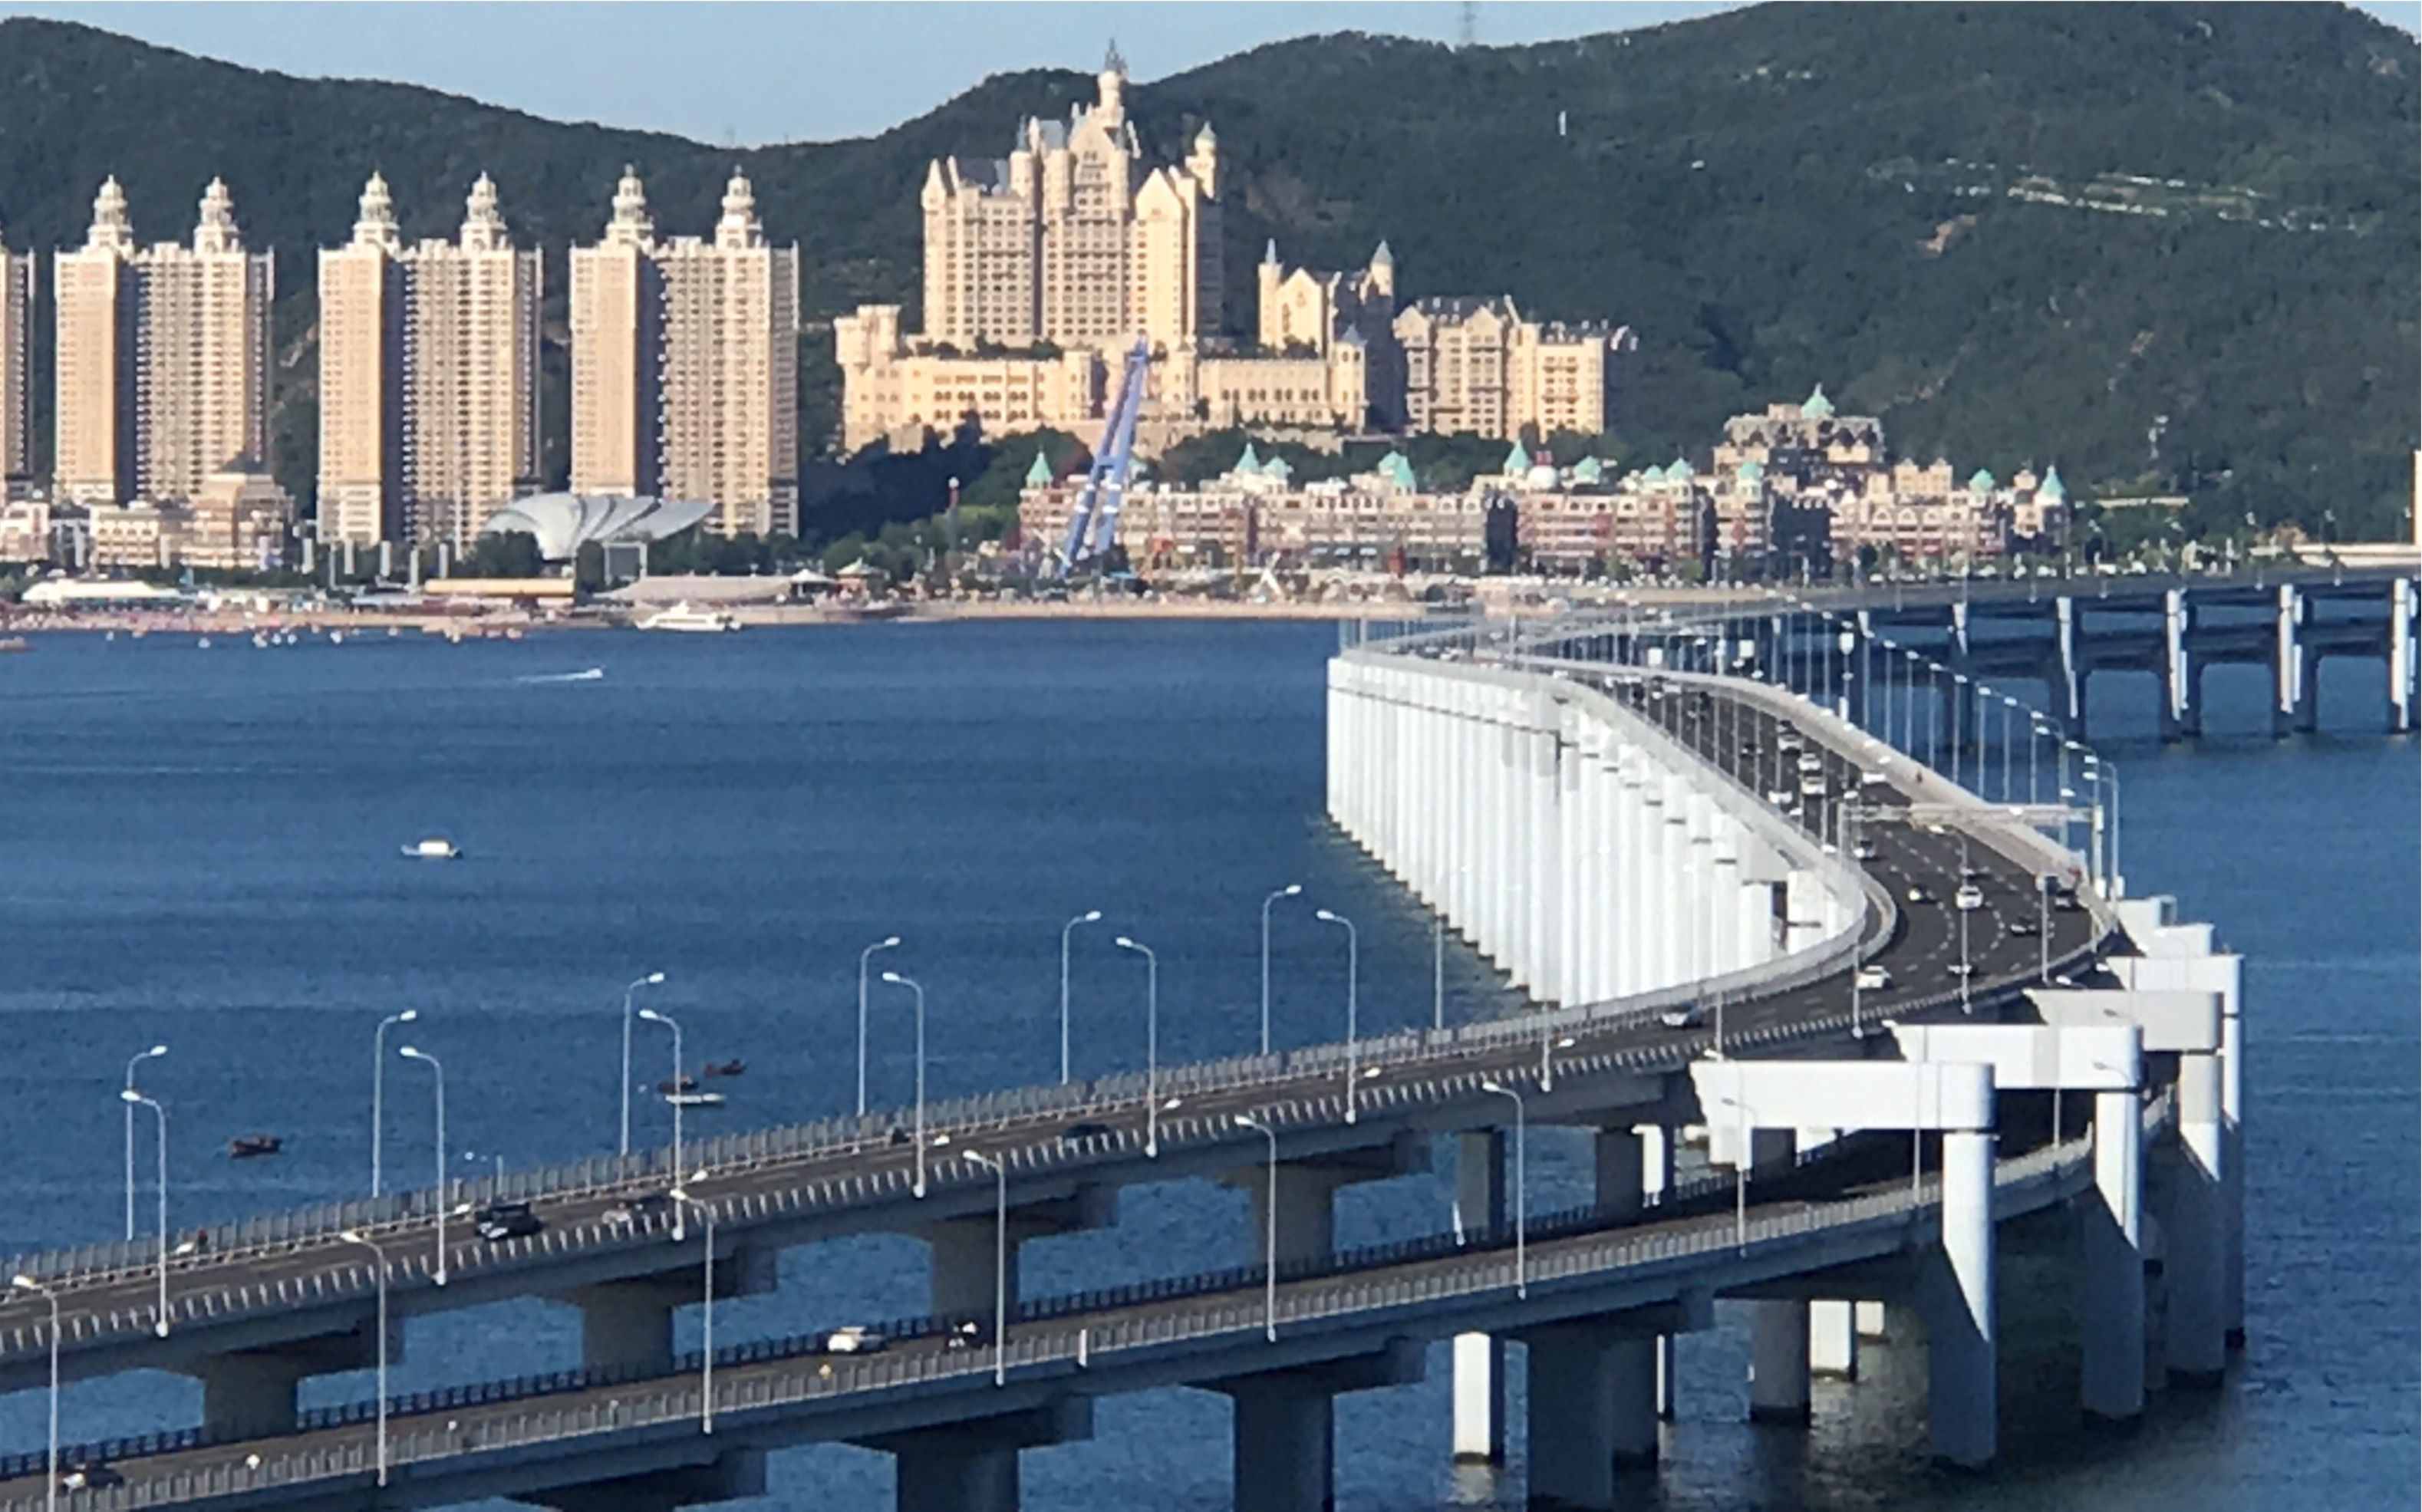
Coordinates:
[2167,246]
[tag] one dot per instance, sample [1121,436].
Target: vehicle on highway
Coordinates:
[1786,739]
[851,1340]
[966,1334]
[89,1478]
[1683,1016]
[1870,776]
[1087,1129]
[1780,797]
[1917,895]
[631,1209]
[506,1221]
[1969,898]
[1864,850]
[1811,762]
[1874,979]
[2023,929]
[1811,787]
[1962,969]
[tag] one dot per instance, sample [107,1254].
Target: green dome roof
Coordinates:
[1982,481]
[2052,487]
[1397,471]
[1588,470]
[1251,461]
[1517,461]
[1751,471]
[1817,406]
[1040,474]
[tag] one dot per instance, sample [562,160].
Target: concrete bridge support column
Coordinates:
[2195,1223]
[2288,668]
[1593,1412]
[628,1325]
[1778,1359]
[2069,693]
[250,1392]
[1480,1358]
[2182,714]
[1285,1436]
[2111,1314]
[730,1477]
[1834,1339]
[2402,597]
[1869,1317]
[972,1466]
[1957,1298]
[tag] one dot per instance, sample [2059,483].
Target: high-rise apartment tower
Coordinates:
[16,390]
[685,365]
[428,386]
[162,357]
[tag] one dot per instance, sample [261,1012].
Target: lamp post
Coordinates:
[1521,1213]
[1438,971]
[1270,1231]
[377,1095]
[899,981]
[1089,916]
[410,1053]
[885,943]
[355,1236]
[1353,997]
[674,1098]
[1740,1175]
[136,1099]
[154,1051]
[999,1170]
[682,1198]
[1150,1044]
[1291,889]
[51,1497]
[651,979]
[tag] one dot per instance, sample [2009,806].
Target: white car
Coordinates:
[1864,850]
[1811,762]
[1683,1016]
[852,1340]
[1967,899]
[1811,787]
[1874,979]
[1870,776]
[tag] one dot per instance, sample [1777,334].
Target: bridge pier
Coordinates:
[733,1476]
[965,1250]
[2181,675]
[1778,1368]
[2068,685]
[1285,1436]
[1956,1294]
[2401,595]
[2295,683]
[2111,1316]
[1593,1409]
[1480,1358]
[972,1466]
[2194,1222]
[250,1392]
[1834,1339]
[628,1325]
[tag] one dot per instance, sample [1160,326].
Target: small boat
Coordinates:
[202,643]
[436,848]
[671,1088]
[723,1068]
[245,1146]
[695,1099]
[21,643]
[681,617]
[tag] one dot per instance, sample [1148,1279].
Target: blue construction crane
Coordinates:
[1096,512]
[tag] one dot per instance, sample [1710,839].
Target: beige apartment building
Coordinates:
[163,356]
[16,370]
[1476,365]
[428,388]
[685,365]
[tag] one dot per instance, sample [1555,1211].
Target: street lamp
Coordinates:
[673,1097]
[1353,994]
[706,1355]
[1740,1175]
[135,1061]
[378,1094]
[1151,1043]
[1000,1263]
[409,1053]
[356,1237]
[1290,891]
[651,979]
[133,1100]
[1270,1231]
[885,943]
[1521,1214]
[1089,916]
[51,1498]
[899,981]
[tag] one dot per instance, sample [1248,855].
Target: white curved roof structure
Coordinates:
[563,522]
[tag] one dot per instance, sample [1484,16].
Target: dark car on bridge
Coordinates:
[506,1221]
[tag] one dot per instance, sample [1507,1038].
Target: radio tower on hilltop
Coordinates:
[1467,26]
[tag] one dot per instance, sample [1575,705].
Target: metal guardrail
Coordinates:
[1062,1352]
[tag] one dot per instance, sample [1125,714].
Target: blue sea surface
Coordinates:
[201,848]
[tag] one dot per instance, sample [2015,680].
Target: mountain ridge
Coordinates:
[1772,197]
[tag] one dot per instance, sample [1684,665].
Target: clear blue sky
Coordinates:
[785,72]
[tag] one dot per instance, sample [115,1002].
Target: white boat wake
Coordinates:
[593,674]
